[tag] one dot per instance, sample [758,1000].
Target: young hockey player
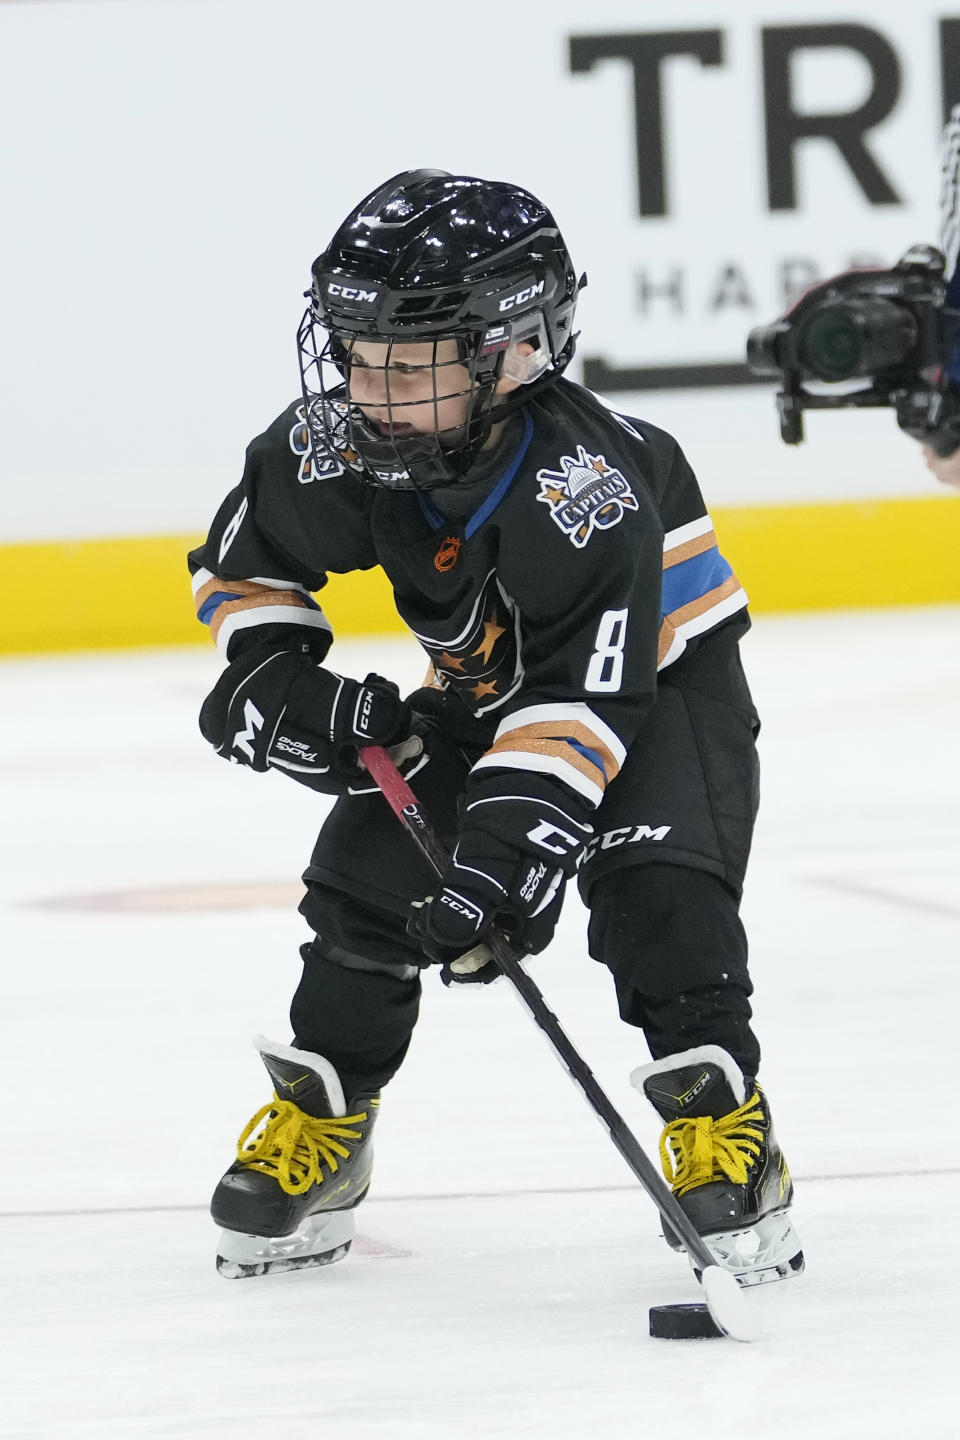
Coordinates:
[587,713]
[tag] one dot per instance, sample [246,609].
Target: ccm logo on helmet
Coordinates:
[353,292]
[522,296]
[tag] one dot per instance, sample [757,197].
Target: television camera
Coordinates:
[868,338]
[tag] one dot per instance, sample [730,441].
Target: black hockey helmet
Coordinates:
[433,257]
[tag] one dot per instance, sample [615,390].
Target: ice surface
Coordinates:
[506,1260]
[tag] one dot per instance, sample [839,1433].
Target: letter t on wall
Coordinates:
[647,53]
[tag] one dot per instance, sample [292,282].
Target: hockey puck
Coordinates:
[683,1322]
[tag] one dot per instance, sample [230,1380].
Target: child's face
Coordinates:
[419,387]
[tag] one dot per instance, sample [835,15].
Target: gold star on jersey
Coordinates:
[482,662]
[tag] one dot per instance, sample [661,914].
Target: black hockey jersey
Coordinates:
[588,564]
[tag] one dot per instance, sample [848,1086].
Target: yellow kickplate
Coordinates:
[835,556]
[91,594]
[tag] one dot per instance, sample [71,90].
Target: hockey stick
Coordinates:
[722,1293]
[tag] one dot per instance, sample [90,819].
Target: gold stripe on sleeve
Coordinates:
[260,598]
[555,749]
[697,546]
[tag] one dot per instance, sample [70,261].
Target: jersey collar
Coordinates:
[492,500]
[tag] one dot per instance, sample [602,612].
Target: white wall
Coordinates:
[171,167]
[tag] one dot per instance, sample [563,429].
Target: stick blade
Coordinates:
[727,1304]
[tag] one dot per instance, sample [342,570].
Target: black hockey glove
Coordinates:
[520,838]
[280,709]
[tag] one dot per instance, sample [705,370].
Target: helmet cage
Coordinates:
[380,449]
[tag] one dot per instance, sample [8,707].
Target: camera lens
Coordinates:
[856,337]
[830,345]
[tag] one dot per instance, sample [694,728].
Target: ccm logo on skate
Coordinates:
[352,292]
[624,835]
[522,296]
[698,1086]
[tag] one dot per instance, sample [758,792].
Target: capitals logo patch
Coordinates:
[587,494]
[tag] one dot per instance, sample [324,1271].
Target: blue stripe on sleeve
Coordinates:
[692,578]
[588,754]
[220,597]
[213,602]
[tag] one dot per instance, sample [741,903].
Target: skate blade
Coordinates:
[321,1240]
[239,1270]
[762,1254]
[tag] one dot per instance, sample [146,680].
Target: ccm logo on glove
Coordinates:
[279,709]
[364,714]
[545,833]
[471,914]
[500,874]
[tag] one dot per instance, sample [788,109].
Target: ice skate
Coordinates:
[303,1164]
[721,1157]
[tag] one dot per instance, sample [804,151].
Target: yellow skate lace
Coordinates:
[695,1151]
[293,1147]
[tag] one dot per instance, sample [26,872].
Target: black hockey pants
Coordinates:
[662,880]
